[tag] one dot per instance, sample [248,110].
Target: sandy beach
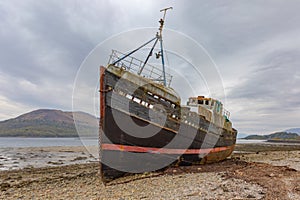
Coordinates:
[264,171]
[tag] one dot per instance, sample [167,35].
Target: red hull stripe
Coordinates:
[118,147]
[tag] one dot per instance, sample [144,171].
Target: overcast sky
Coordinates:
[254,44]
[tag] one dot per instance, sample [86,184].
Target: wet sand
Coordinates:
[263,172]
[36,157]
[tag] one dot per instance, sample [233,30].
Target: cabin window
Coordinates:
[137,100]
[207,102]
[128,96]
[200,101]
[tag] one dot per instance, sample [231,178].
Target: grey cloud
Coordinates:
[42,44]
[268,98]
[276,77]
[227,27]
[254,43]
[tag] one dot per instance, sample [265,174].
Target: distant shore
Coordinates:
[283,141]
[253,172]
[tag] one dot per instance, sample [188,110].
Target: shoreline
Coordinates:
[262,173]
[35,157]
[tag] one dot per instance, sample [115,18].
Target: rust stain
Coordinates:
[102,97]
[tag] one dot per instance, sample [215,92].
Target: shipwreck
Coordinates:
[143,124]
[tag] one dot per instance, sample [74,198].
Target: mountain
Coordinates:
[278,135]
[293,130]
[48,123]
[241,135]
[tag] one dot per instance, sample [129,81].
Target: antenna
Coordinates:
[161,21]
[165,10]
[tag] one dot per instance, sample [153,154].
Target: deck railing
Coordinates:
[136,66]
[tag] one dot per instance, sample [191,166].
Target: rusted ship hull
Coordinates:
[123,150]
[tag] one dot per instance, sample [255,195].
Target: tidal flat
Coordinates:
[261,171]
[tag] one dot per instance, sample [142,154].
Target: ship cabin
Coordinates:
[208,107]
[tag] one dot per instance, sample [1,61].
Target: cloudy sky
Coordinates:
[254,44]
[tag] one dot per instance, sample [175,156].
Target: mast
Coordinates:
[162,21]
[157,38]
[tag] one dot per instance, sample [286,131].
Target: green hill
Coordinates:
[293,130]
[274,136]
[48,123]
